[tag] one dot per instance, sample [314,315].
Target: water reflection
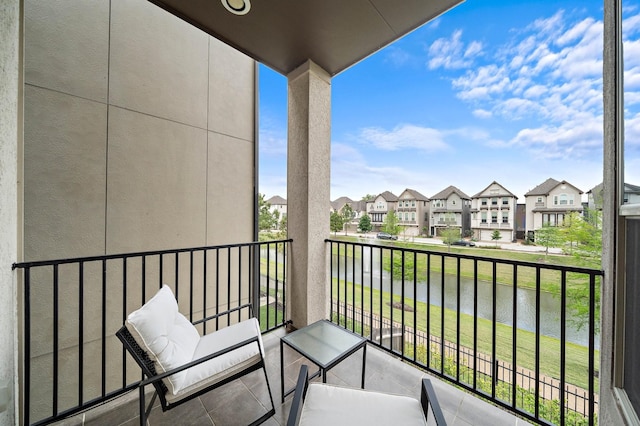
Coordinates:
[373,275]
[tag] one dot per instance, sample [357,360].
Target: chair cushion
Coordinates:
[337,406]
[219,368]
[165,334]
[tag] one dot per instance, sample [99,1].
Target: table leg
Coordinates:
[364,358]
[324,375]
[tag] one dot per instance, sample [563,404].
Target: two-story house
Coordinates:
[339,203]
[413,211]
[549,203]
[493,209]
[380,206]
[631,195]
[450,208]
[278,204]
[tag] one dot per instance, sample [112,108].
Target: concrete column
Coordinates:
[9,132]
[308,176]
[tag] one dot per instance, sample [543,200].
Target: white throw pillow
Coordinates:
[165,334]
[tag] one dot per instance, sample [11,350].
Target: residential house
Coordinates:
[450,208]
[631,195]
[413,212]
[494,209]
[278,204]
[380,206]
[359,209]
[549,203]
[339,204]
[176,109]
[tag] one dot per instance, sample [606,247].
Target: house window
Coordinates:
[484,217]
[505,217]
[505,201]
[453,202]
[413,203]
[483,201]
[494,217]
[494,201]
[413,217]
[406,216]
[539,200]
[563,199]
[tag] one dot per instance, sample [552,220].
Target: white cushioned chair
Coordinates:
[181,364]
[318,404]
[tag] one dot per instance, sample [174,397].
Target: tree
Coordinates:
[364,225]
[282,226]
[583,236]
[450,236]
[336,222]
[495,236]
[548,236]
[265,217]
[390,224]
[347,216]
[368,197]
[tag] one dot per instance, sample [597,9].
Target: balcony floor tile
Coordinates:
[241,401]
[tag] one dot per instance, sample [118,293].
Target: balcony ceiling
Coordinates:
[334,34]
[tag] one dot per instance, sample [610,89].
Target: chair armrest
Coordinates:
[298,397]
[428,397]
[206,358]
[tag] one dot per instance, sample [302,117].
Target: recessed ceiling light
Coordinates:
[237,7]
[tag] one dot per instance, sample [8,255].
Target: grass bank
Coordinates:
[577,357]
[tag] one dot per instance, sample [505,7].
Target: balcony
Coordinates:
[76,365]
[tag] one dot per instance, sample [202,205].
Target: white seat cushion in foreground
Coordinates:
[337,406]
[171,341]
[225,365]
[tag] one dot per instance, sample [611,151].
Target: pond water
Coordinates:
[525,298]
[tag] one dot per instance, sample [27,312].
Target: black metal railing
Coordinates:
[520,334]
[73,307]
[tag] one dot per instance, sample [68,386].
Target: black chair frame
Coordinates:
[427,398]
[151,377]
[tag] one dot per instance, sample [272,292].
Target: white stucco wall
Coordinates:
[9,134]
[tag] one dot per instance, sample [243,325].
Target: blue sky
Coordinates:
[491,90]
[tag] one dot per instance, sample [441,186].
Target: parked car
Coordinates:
[464,243]
[385,236]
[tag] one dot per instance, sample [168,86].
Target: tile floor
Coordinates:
[239,402]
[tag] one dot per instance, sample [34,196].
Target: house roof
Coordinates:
[415,194]
[284,34]
[388,196]
[339,203]
[277,200]
[359,206]
[547,186]
[628,189]
[506,191]
[446,193]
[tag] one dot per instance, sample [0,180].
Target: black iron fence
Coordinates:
[477,347]
[72,308]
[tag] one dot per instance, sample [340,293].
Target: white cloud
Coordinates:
[404,136]
[549,72]
[452,53]
[482,113]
